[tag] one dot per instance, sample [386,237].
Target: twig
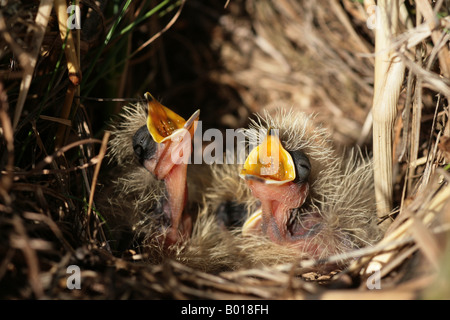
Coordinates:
[65,113]
[30,256]
[33,172]
[404,226]
[7,179]
[73,67]
[67,38]
[101,155]
[389,71]
[28,60]
[53,227]
[157,35]
[430,17]
[48,159]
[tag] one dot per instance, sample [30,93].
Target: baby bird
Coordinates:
[302,199]
[151,149]
[293,198]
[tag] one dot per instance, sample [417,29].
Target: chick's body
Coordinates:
[337,213]
[137,199]
[133,203]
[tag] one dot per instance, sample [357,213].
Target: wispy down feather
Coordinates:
[341,190]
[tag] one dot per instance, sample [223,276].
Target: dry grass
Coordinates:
[317,56]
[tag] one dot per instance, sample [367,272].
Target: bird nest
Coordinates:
[316,56]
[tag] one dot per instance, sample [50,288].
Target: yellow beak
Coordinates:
[164,124]
[269,162]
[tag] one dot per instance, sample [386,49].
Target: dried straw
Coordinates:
[318,56]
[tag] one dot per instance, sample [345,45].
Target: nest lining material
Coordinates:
[303,54]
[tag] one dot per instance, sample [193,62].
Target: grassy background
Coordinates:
[229,60]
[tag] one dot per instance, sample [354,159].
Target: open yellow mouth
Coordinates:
[269,162]
[163,124]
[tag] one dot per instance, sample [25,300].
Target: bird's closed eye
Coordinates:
[302,165]
[143,144]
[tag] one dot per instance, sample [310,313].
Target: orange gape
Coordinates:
[269,172]
[270,162]
[162,122]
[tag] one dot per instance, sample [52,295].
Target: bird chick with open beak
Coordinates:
[153,194]
[308,199]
